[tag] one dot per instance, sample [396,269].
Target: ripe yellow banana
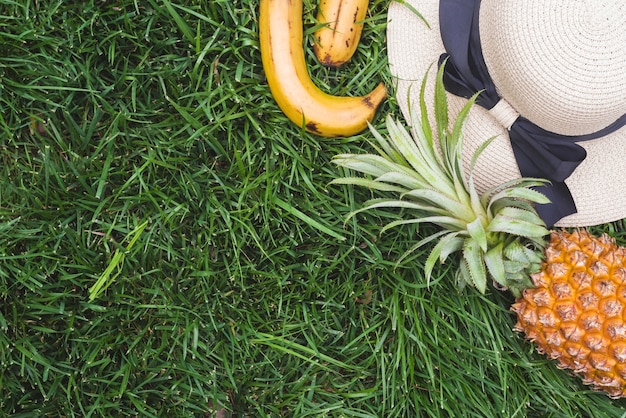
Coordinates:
[282,52]
[336,42]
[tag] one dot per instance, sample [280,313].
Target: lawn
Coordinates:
[141,151]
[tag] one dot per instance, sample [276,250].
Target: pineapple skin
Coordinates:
[576,311]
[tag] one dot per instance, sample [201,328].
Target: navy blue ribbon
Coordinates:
[539,153]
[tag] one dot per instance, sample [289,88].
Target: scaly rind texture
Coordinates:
[576,312]
[282,54]
[337,40]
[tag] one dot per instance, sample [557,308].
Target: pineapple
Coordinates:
[571,292]
[575,311]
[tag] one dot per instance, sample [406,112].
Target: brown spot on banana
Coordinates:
[312,127]
[368,102]
[282,53]
[338,11]
[328,61]
[341,33]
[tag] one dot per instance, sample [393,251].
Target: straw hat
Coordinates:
[560,64]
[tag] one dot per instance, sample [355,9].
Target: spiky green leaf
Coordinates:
[441,111]
[477,231]
[393,203]
[514,203]
[370,184]
[474,201]
[421,156]
[456,140]
[515,194]
[494,260]
[449,244]
[518,222]
[385,146]
[425,134]
[374,165]
[404,179]
[400,222]
[420,244]
[473,257]
[481,148]
[451,206]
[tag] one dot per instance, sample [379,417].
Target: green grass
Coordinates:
[151,123]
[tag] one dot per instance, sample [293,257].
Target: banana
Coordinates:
[337,40]
[282,53]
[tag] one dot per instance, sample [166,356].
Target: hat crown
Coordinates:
[559,63]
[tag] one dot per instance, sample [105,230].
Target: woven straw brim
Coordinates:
[598,185]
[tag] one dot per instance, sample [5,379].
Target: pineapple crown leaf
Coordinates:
[517,252]
[440,218]
[373,165]
[401,178]
[519,222]
[515,203]
[370,184]
[424,141]
[425,130]
[392,203]
[495,263]
[477,232]
[416,220]
[420,155]
[479,150]
[384,147]
[522,182]
[496,232]
[449,244]
[420,244]
[442,201]
[401,222]
[383,203]
[474,202]
[451,141]
[474,261]
[519,194]
[441,104]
